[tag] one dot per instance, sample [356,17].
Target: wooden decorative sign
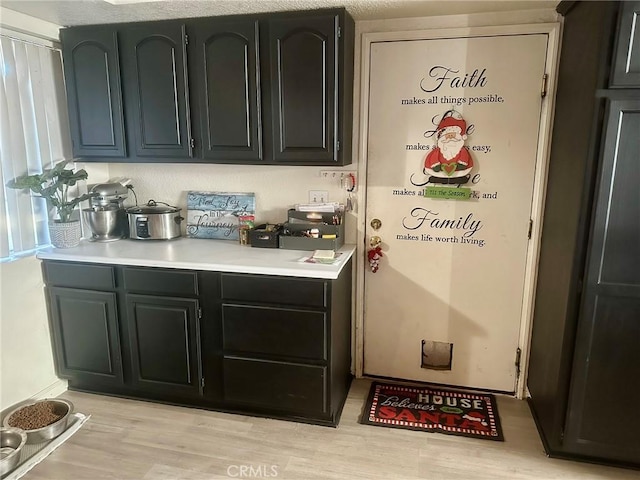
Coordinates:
[218,215]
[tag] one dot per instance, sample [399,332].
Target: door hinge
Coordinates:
[186,39]
[339,32]
[192,143]
[199,313]
[545,78]
[530,229]
[338,145]
[202,382]
[518,356]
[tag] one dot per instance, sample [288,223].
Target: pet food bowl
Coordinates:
[13,439]
[62,408]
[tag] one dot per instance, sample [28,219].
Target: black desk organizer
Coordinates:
[296,232]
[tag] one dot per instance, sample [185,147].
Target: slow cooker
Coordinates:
[154,221]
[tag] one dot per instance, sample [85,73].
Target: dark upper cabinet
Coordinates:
[92,78]
[225,77]
[84,327]
[303,65]
[626,66]
[250,89]
[607,353]
[310,84]
[154,74]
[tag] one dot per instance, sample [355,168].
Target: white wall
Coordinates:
[25,356]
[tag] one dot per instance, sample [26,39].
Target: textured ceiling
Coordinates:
[87,12]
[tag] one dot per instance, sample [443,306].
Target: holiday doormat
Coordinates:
[432,409]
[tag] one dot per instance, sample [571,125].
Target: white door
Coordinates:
[445,305]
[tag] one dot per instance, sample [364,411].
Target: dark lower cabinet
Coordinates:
[253,344]
[286,344]
[86,336]
[584,358]
[165,344]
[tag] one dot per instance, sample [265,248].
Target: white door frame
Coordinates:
[540,179]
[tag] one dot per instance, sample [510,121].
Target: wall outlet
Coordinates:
[318,196]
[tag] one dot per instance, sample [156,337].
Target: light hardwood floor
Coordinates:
[127,439]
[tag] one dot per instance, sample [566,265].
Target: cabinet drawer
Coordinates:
[286,291]
[80,275]
[274,331]
[284,386]
[159,281]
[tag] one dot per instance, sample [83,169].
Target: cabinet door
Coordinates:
[225,71]
[84,326]
[605,388]
[92,79]
[626,66]
[164,336]
[303,63]
[154,75]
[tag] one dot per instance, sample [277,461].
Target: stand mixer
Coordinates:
[107,217]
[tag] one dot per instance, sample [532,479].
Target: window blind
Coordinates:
[34,135]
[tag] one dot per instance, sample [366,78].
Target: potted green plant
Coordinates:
[53,185]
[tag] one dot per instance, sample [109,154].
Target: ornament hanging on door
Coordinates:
[374,255]
[449,163]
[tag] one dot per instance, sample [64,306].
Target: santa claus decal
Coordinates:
[450,162]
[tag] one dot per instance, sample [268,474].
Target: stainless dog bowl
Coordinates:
[61,407]
[13,439]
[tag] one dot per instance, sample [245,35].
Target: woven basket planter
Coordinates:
[65,235]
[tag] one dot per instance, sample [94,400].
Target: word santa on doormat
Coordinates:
[435,410]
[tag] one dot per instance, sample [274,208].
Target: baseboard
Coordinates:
[56,388]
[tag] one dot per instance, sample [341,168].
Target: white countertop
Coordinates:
[201,254]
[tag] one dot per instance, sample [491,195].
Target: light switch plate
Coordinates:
[318,196]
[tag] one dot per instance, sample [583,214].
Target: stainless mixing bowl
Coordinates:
[62,407]
[13,439]
[103,222]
